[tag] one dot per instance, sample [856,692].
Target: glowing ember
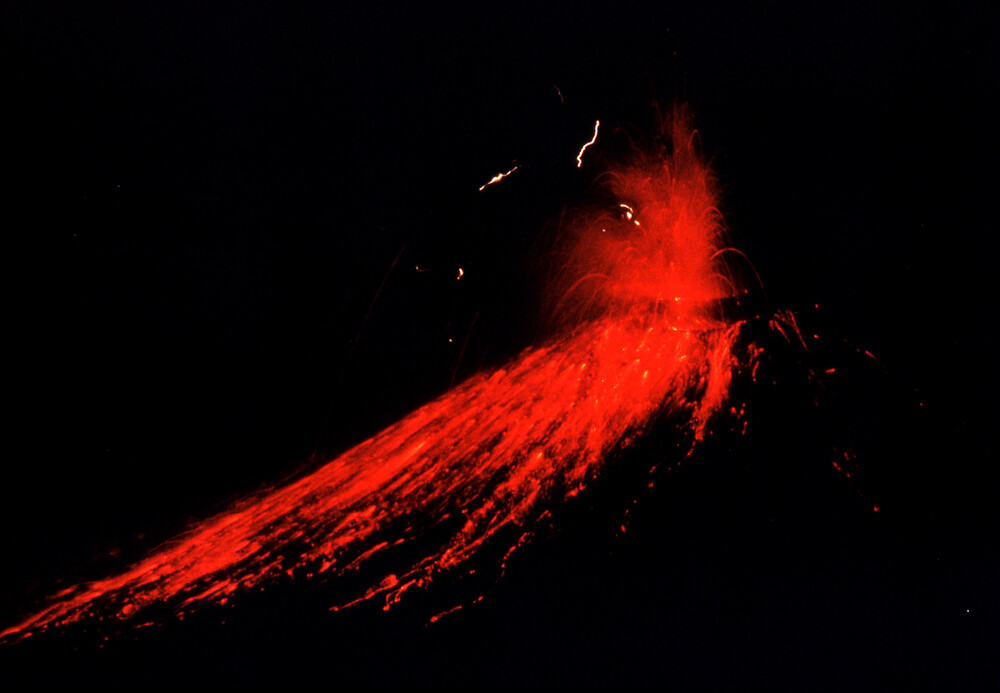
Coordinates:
[641,335]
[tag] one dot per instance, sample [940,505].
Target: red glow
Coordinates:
[641,336]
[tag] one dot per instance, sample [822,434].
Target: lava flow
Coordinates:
[642,334]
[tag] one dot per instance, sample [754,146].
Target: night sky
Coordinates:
[206,199]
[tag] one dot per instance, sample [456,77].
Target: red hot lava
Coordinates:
[640,291]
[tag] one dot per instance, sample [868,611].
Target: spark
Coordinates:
[497,178]
[579,157]
[559,91]
[629,214]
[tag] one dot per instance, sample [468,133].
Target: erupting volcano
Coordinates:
[638,302]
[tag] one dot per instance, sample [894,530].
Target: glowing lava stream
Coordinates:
[493,454]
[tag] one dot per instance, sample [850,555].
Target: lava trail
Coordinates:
[638,296]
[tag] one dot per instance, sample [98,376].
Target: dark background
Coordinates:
[205,199]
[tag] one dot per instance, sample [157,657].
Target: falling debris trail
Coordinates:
[497,178]
[579,157]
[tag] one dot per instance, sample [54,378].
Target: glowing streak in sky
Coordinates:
[497,178]
[639,336]
[579,157]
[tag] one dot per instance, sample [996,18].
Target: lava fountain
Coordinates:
[641,333]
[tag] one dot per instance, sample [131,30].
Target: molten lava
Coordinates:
[642,334]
